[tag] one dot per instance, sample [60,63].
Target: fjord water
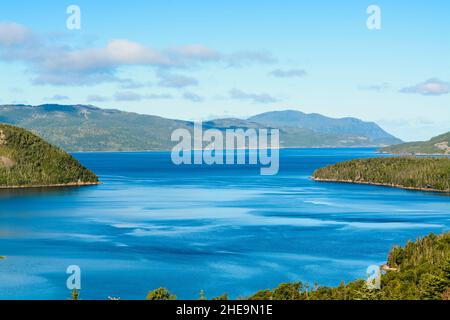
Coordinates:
[223,229]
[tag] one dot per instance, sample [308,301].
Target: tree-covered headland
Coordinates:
[28,161]
[420,173]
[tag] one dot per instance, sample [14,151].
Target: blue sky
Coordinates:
[204,59]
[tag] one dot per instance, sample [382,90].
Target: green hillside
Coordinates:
[419,173]
[26,161]
[87,128]
[437,145]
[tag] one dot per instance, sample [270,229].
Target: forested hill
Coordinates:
[436,145]
[28,161]
[420,173]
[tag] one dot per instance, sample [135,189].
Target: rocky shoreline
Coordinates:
[381,185]
[71,184]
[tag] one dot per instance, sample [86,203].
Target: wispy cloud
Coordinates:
[128,96]
[375,87]
[157,96]
[65,65]
[431,87]
[133,96]
[132,84]
[243,58]
[96,98]
[58,97]
[414,128]
[16,90]
[192,97]
[292,73]
[170,80]
[254,97]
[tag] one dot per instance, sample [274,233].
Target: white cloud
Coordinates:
[96,98]
[133,96]
[288,73]
[132,84]
[157,96]
[375,87]
[58,97]
[64,65]
[12,33]
[170,80]
[431,87]
[255,97]
[192,97]
[193,52]
[243,58]
[127,96]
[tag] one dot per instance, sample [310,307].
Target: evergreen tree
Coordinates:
[161,294]
[75,295]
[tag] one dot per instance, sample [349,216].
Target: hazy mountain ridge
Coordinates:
[89,128]
[326,125]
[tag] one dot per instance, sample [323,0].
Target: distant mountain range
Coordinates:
[88,128]
[437,145]
[351,127]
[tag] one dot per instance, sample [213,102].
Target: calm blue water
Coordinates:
[222,229]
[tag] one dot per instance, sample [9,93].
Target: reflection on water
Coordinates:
[221,229]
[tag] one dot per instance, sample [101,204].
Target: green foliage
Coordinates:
[221,297]
[288,291]
[446,269]
[262,295]
[431,286]
[75,295]
[27,160]
[161,294]
[164,294]
[408,172]
[285,291]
